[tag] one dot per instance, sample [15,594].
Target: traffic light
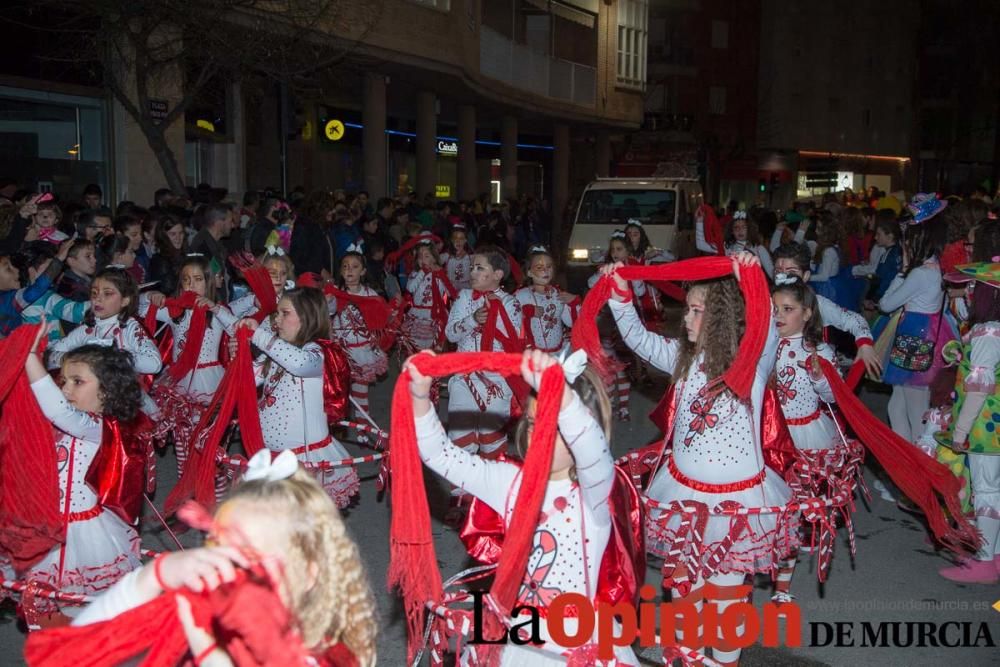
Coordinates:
[774,180]
[762,185]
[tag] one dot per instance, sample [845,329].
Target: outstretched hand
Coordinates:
[620,283]
[743,258]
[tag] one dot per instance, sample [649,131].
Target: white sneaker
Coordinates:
[884,492]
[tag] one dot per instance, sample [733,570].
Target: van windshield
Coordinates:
[615,207]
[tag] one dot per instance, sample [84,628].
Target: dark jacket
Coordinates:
[311,249]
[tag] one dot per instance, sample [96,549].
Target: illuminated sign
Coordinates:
[448,147]
[334,130]
[442,191]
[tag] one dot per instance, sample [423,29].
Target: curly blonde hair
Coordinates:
[330,595]
[722,327]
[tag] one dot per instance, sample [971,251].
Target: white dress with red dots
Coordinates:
[292,414]
[458,269]
[349,329]
[548,318]
[716,457]
[573,530]
[800,396]
[100,547]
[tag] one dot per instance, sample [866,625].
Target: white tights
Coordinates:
[906,410]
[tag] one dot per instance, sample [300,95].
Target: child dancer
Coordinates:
[457,261]
[291,373]
[349,329]
[639,247]
[610,339]
[282,271]
[278,517]
[431,291]
[742,235]
[576,522]
[716,452]
[977,410]
[547,310]
[482,319]
[98,383]
[825,465]
[913,360]
[114,300]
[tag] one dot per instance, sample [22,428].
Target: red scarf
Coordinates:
[30,521]
[246,617]
[260,284]
[919,477]
[515,269]
[740,375]
[511,341]
[374,309]
[413,566]
[439,300]
[713,229]
[393,257]
[336,381]
[188,359]
[237,392]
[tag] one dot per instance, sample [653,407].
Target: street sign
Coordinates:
[442,191]
[334,130]
[158,110]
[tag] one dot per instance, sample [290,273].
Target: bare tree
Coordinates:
[141,46]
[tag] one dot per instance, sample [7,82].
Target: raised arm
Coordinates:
[699,238]
[595,468]
[306,361]
[58,410]
[652,348]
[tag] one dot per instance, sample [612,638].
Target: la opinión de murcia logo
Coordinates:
[740,625]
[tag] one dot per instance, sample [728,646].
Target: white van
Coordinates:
[663,205]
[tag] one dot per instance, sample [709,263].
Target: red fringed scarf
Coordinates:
[246,617]
[336,381]
[188,359]
[919,477]
[756,295]
[413,566]
[713,229]
[260,283]
[237,392]
[118,472]
[374,309]
[30,521]
[393,257]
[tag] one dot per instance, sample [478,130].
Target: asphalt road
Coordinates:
[892,578]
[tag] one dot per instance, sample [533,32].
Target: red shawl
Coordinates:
[246,618]
[756,295]
[237,393]
[393,257]
[713,229]
[922,479]
[260,284]
[30,521]
[374,309]
[413,566]
[187,361]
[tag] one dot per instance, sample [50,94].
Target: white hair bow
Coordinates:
[573,364]
[618,234]
[634,221]
[115,266]
[356,247]
[289,284]
[103,342]
[785,279]
[275,250]
[740,215]
[195,254]
[260,466]
[537,248]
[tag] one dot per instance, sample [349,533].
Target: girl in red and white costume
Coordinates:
[349,329]
[100,547]
[576,523]
[457,260]
[282,271]
[430,290]
[716,454]
[547,310]
[291,371]
[618,253]
[825,464]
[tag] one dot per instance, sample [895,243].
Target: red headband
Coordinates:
[756,295]
[413,565]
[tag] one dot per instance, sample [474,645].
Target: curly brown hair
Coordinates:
[722,327]
[831,235]
[118,385]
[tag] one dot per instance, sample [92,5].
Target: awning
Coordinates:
[583,12]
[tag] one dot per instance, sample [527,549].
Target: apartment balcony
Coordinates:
[521,67]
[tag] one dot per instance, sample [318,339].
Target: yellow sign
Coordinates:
[334,130]
[442,191]
[205,124]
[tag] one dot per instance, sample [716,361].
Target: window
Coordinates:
[720,34]
[632,32]
[717,100]
[615,207]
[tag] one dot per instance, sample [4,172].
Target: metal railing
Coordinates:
[520,66]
